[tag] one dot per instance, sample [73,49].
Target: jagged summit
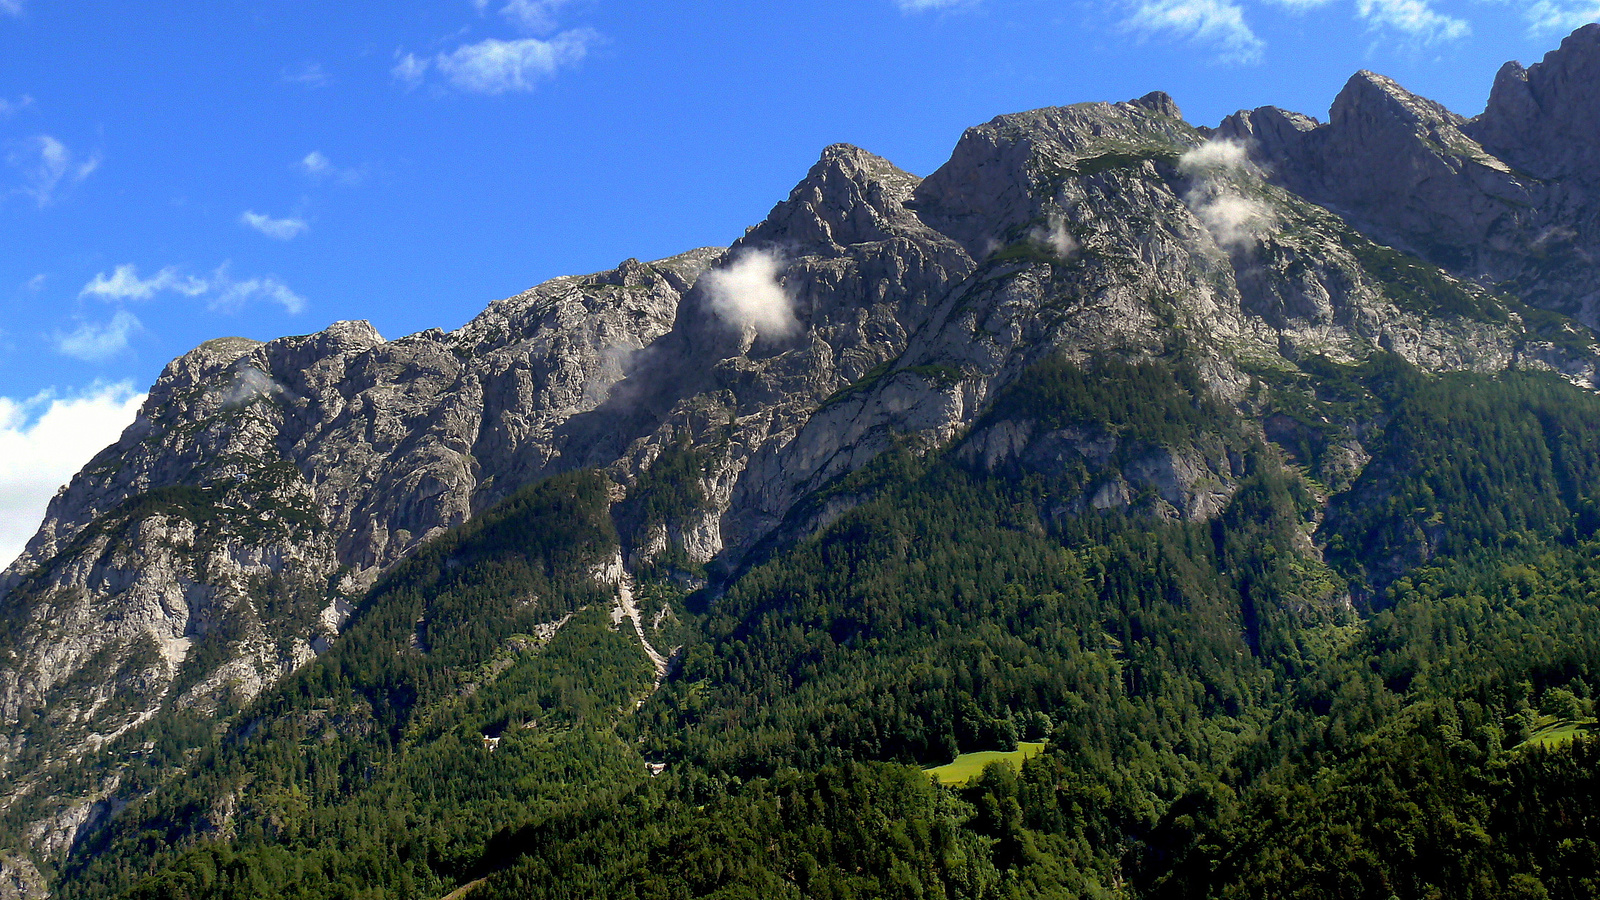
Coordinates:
[1368,96]
[988,185]
[1506,199]
[1545,119]
[850,196]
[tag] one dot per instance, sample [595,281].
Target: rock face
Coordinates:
[1507,199]
[225,538]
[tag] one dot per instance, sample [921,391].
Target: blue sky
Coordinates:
[175,172]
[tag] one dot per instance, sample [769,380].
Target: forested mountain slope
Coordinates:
[1270,512]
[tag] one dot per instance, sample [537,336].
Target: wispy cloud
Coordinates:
[1557,16]
[319,166]
[316,163]
[44,441]
[93,342]
[1415,19]
[11,107]
[310,74]
[124,283]
[409,68]
[37,282]
[220,289]
[1234,220]
[537,16]
[279,229]
[231,296]
[1217,24]
[494,66]
[11,7]
[49,167]
[1220,156]
[1054,237]
[916,6]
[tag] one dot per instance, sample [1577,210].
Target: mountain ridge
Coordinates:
[222,544]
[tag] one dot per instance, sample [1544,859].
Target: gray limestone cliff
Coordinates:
[1507,199]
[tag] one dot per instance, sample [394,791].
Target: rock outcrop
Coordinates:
[1507,199]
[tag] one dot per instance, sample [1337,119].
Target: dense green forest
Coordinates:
[1230,712]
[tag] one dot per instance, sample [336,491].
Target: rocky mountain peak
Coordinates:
[1160,103]
[1545,119]
[1369,97]
[1270,132]
[989,185]
[850,196]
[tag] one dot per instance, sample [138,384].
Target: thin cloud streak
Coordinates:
[1213,23]
[124,283]
[221,291]
[310,74]
[1559,16]
[49,167]
[1414,18]
[918,6]
[317,165]
[536,16]
[277,229]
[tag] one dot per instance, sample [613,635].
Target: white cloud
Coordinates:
[47,166]
[1213,156]
[36,283]
[8,107]
[232,295]
[537,16]
[1560,16]
[221,290]
[747,293]
[1055,238]
[1301,5]
[124,283]
[251,384]
[1215,23]
[409,69]
[316,163]
[310,74]
[1235,222]
[319,166]
[39,453]
[280,229]
[1415,18]
[916,6]
[494,66]
[96,343]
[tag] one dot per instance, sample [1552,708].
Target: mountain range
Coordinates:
[1251,474]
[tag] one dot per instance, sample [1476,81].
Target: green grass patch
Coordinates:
[1561,732]
[968,766]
